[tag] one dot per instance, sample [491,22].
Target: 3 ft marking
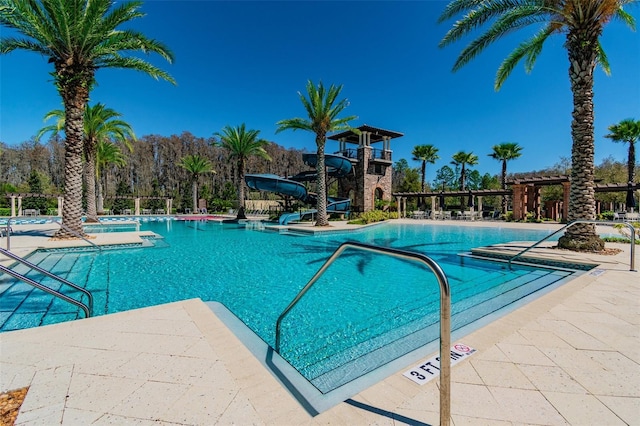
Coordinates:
[429,369]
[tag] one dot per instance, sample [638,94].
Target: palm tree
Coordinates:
[627,131]
[582,23]
[321,119]
[425,154]
[242,144]
[78,38]
[461,159]
[196,165]
[100,123]
[504,152]
[106,154]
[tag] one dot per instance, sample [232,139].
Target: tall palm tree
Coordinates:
[582,23]
[504,152]
[79,37]
[100,123]
[106,154]
[321,119]
[242,144]
[461,159]
[196,165]
[627,131]
[425,154]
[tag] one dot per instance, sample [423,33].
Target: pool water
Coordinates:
[364,304]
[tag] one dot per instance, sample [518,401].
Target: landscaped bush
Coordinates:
[5,211]
[372,217]
[607,215]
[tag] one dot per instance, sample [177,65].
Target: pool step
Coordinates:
[536,256]
[24,306]
[342,364]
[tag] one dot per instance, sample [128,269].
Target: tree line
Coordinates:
[152,168]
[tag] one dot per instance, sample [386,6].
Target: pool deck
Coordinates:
[571,357]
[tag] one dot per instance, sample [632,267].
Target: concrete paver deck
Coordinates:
[570,357]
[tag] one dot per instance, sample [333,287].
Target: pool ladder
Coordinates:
[86,308]
[445,312]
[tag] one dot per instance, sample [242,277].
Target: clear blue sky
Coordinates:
[245,62]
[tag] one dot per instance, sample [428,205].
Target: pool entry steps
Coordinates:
[60,300]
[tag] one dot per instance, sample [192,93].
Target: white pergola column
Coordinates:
[433,203]
[169,205]
[480,203]
[136,208]
[60,203]
[13,205]
[19,206]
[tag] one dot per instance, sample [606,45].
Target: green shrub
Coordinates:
[372,217]
[5,211]
[606,215]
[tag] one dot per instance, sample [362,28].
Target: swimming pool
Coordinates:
[365,310]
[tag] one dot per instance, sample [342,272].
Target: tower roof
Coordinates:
[377,134]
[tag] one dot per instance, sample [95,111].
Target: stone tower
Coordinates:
[369,151]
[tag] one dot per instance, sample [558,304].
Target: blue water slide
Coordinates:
[338,165]
[285,218]
[335,204]
[275,183]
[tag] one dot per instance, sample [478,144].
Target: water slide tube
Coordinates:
[337,165]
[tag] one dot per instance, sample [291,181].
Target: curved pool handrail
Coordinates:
[46,289]
[50,275]
[445,312]
[632,262]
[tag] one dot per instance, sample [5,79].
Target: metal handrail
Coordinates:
[50,275]
[8,232]
[46,289]
[633,239]
[445,312]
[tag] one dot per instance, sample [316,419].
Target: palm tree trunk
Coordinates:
[90,179]
[631,162]
[99,197]
[504,186]
[321,204]
[582,202]
[194,189]
[241,207]
[74,102]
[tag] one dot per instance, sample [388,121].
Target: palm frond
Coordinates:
[602,59]
[508,22]
[500,10]
[135,64]
[625,17]
[456,7]
[530,49]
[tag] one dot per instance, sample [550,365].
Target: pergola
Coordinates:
[17,197]
[402,197]
[525,192]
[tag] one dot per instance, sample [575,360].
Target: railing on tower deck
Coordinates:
[380,154]
[349,153]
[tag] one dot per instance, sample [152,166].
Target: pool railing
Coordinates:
[632,262]
[445,311]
